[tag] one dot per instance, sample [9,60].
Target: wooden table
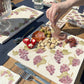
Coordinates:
[16,1]
[10,64]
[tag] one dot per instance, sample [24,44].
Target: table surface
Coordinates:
[5,48]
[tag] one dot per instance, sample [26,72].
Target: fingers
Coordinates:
[48,13]
[51,13]
[53,17]
[57,18]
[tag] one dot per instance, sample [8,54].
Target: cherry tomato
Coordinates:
[30,45]
[26,40]
[33,41]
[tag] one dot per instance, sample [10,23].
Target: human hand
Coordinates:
[56,11]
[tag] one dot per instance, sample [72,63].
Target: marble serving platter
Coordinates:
[7,76]
[19,19]
[60,23]
[75,17]
[61,64]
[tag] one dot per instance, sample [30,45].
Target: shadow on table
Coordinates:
[19,24]
[72,29]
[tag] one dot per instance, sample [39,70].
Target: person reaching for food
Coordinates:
[58,9]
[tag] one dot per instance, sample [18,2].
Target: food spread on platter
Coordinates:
[45,38]
[54,58]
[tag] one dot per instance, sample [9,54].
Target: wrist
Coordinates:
[66,4]
[71,2]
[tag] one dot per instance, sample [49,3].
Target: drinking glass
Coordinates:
[38,4]
[63,0]
[5,10]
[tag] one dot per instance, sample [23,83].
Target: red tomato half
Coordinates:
[26,40]
[33,41]
[30,45]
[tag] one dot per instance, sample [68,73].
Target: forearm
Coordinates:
[58,9]
[69,3]
[75,2]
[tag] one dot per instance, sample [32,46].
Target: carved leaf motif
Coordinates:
[52,51]
[81,42]
[20,24]
[8,72]
[6,75]
[12,30]
[26,48]
[70,60]
[15,53]
[1,72]
[65,52]
[64,44]
[43,61]
[36,49]
[63,74]
[11,78]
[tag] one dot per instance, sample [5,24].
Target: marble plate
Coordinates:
[74,17]
[19,19]
[7,76]
[61,64]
